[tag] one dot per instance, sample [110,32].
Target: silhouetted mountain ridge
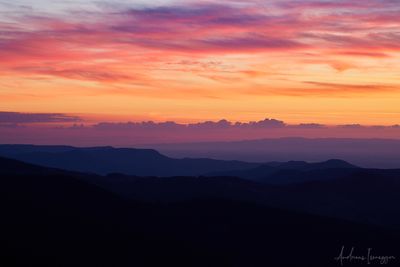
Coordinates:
[149,162]
[104,160]
[64,219]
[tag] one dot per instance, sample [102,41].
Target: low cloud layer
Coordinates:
[207,125]
[69,129]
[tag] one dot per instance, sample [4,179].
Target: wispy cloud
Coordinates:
[14,118]
[213,27]
[360,88]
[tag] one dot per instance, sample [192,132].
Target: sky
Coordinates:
[299,61]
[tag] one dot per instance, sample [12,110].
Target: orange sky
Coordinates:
[331,62]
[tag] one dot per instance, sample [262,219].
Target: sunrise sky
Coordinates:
[309,61]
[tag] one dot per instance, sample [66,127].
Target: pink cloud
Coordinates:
[63,47]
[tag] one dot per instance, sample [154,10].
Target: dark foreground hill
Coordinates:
[59,218]
[366,196]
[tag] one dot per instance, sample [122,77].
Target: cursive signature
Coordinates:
[367,258]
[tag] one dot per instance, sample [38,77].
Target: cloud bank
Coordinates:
[61,129]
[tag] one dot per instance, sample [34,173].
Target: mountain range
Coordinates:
[53,217]
[149,162]
[104,160]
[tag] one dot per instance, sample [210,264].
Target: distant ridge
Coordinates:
[104,160]
[149,162]
[367,153]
